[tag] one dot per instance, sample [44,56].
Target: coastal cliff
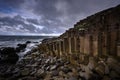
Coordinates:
[88,51]
[93,42]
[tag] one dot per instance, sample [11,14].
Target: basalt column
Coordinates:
[73,44]
[63,47]
[49,48]
[81,44]
[95,44]
[118,40]
[87,44]
[55,46]
[73,55]
[78,45]
[91,45]
[102,45]
[52,48]
[60,48]
[67,47]
[113,43]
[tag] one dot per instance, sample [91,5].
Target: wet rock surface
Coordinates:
[8,55]
[20,47]
[37,66]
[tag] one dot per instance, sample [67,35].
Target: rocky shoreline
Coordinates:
[13,54]
[40,66]
[88,51]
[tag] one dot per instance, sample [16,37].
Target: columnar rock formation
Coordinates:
[96,35]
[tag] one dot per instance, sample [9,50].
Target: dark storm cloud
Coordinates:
[34,21]
[11,3]
[66,12]
[46,8]
[15,22]
[89,6]
[8,6]
[49,16]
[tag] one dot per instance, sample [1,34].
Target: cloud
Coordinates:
[11,3]
[34,21]
[16,24]
[22,25]
[46,16]
[66,13]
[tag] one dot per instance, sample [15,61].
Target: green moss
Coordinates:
[82,26]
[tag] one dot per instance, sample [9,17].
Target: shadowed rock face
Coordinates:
[96,35]
[21,47]
[93,43]
[8,55]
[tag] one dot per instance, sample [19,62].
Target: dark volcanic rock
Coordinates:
[34,49]
[40,73]
[95,76]
[55,73]
[8,55]
[27,42]
[20,47]
[66,70]
[72,78]
[29,78]
[7,50]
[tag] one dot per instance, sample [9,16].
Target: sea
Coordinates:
[12,41]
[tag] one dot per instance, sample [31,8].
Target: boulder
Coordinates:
[113,64]
[8,55]
[106,78]
[55,73]
[53,67]
[114,74]
[66,69]
[33,72]
[15,70]
[29,78]
[27,42]
[25,72]
[34,49]
[15,76]
[20,47]
[47,68]
[7,50]
[95,76]
[100,69]
[92,63]
[2,78]
[61,73]
[73,78]
[47,61]
[40,74]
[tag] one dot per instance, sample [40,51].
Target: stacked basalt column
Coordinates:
[55,49]
[100,36]
[67,46]
[60,48]
[50,48]
[118,42]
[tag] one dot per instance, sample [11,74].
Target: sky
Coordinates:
[46,17]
